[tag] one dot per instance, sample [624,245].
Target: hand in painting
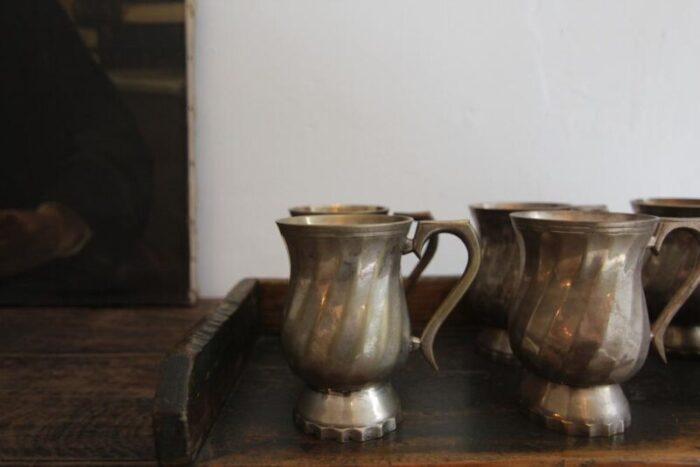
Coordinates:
[29,239]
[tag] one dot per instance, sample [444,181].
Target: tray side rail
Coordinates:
[200,372]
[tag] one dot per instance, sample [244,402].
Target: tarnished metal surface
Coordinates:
[426,256]
[663,274]
[333,209]
[496,284]
[346,325]
[579,320]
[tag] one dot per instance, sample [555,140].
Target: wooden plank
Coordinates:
[78,375]
[96,330]
[80,463]
[66,407]
[467,414]
[77,384]
[199,373]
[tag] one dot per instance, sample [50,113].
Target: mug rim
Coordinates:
[337,209]
[338,224]
[516,206]
[584,221]
[670,202]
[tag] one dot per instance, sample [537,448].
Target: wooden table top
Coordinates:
[77,384]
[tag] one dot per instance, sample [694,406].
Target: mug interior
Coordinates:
[668,207]
[672,202]
[345,219]
[340,224]
[516,206]
[338,208]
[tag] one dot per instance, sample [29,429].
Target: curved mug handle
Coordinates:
[425,259]
[466,233]
[666,226]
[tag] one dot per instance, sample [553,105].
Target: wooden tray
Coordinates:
[226,395]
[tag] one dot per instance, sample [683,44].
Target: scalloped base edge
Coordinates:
[367,413]
[343,435]
[589,412]
[578,428]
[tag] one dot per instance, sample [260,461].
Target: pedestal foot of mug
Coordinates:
[361,415]
[494,344]
[593,411]
[683,341]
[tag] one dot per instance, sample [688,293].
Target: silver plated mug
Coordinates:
[496,283]
[346,326]
[341,208]
[579,322]
[665,272]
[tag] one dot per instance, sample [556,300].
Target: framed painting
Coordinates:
[95,186]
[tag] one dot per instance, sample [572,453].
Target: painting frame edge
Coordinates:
[190,12]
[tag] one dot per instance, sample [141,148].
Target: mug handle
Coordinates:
[666,226]
[466,233]
[430,250]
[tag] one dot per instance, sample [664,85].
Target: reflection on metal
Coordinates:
[665,272]
[346,325]
[496,284]
[579,323]
[339,208]
[327,209]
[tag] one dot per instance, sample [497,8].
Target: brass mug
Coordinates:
[579,322]
[341,208]
[346,326]
[665,272]
[496,283]
[493,291]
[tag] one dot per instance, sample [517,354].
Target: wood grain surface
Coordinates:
[77,384]
[199,374]
[467,414]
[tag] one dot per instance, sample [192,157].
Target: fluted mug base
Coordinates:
[361,415]
[683,341]
[591,412]
[495,344]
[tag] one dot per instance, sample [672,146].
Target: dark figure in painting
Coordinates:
[75,179]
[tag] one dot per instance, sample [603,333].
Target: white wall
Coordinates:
[433,105]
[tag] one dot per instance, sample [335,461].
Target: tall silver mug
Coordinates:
[579,322]
[665,272]
[346,325]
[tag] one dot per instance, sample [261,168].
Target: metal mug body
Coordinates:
[346,324]
[346,321]
[579,317]
[373,209]
[579,323]
[665,272]
[496,284]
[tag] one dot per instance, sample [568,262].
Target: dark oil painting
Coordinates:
[94,179]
